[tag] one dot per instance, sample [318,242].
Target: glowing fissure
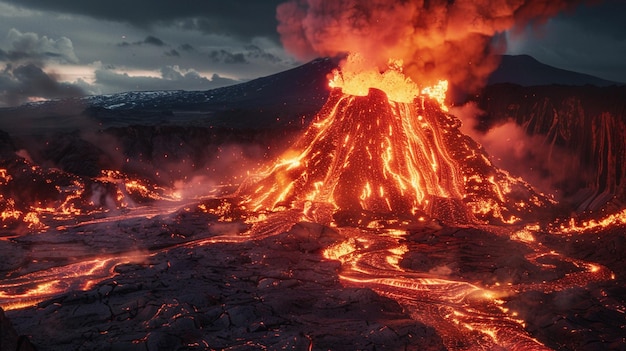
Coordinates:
[592,225]
[77,197]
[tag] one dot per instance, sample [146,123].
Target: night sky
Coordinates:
[55,49]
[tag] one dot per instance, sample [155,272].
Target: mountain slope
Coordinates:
[524,70]
[266,113]
[268,102]
[287,98]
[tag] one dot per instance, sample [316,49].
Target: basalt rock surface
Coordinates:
[9,339]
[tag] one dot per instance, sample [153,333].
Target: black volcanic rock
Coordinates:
[6,144]
[75,155]
[9,339]
[274,293]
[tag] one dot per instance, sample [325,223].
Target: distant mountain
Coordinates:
[575,120]
[275,101]
[283,99]
[526,71]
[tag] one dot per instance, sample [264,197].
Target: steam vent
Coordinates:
[371,158]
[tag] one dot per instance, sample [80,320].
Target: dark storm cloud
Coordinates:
[23,77]
[172,53]
[224,56]
[150,40]
[21,83]
[11,56]
[606,20]
[240,18]
[250,53]
[172,78]
[30,47]
[591,39]
[256,52]
[186,47]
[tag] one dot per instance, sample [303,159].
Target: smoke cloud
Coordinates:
[548,167]
[437,39]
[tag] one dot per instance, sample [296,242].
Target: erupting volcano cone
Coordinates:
[372,158]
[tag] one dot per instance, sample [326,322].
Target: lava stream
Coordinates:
[467,315]
[32,288]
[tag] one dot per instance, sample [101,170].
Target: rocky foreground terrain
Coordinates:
[182,280]
[191,283]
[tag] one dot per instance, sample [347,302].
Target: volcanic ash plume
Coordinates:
[436,39]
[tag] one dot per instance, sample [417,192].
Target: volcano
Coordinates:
[371,158]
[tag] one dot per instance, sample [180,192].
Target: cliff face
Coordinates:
[588,122]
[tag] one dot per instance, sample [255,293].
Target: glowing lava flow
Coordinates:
[592,224]
[381,154]
[364,170]
[29,289]
[468,316]
[55,196]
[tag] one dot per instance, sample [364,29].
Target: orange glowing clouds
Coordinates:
[436,39]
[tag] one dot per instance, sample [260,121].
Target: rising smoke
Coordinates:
[436,39]
[548,167]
